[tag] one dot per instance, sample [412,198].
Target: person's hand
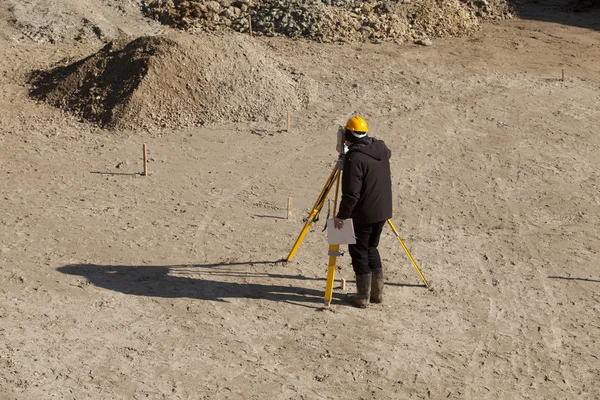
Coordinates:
[338,223]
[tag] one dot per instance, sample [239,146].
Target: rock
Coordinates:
[424,42]
[338,20]
[213,6]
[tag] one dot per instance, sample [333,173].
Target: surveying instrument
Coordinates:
[334,249]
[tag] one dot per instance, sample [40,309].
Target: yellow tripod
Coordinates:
[334,249]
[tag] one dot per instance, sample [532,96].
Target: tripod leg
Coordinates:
[333,177]
[407,252]
[334,252]
[303,233]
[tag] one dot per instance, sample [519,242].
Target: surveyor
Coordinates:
[367,199]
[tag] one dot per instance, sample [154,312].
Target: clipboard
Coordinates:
[341,236]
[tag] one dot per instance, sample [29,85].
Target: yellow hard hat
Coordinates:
[357,124]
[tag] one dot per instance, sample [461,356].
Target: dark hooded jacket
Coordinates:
[366,182]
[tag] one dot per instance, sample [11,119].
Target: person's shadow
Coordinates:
[197,281]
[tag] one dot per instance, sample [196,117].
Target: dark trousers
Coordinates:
[364,253]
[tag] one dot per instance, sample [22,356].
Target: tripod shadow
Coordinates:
[116,173]
[268,216]
[574,279]
[193,281]
[419,285]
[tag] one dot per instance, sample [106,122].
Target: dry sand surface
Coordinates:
[169,286]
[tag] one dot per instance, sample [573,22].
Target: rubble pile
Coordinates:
[330,20]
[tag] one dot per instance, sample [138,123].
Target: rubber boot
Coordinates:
[377,286]
[363,288]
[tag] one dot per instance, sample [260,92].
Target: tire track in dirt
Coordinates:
[558,336]
[478,358]
[527,361]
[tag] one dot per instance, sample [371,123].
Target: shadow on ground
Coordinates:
[203,281]
[197,281]
[579,13]
[568,278]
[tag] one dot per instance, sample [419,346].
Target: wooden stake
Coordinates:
[563,75]
[343,284]
[250,25]
[145,161]
[288,122]
[289,215]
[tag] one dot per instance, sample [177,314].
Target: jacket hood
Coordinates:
[372,147]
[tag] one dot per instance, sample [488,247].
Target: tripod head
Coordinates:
[341,146]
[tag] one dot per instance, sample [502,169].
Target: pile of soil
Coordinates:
[176,82]
[331,20]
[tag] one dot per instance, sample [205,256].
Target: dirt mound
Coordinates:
[331,20]
[178,81]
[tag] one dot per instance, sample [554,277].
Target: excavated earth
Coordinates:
[175,81]
[327,20]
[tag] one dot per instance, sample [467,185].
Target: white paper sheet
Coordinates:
[341,236]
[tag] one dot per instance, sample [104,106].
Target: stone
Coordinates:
[424,42]
[230,13]
[213,6]
[339,20]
